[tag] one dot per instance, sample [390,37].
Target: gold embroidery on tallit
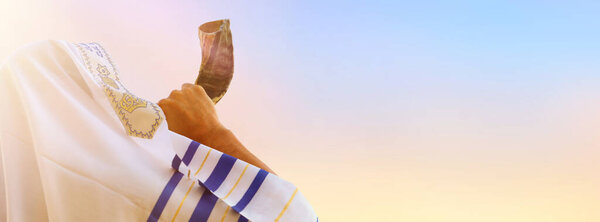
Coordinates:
[109,81]
[104,76]
[130,103]
[102,70]
[140,118]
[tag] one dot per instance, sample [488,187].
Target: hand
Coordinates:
[190,112]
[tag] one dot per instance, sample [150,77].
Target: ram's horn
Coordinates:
[216,69]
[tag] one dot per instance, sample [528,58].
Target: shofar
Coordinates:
[216,69]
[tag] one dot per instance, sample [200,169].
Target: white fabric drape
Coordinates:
[76,145]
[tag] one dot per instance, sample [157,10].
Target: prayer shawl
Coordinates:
[78,146]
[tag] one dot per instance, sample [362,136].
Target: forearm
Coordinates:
[190,112]
[224,140]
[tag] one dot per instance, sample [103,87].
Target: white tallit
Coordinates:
[76,145]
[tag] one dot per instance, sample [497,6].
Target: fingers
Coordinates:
[175,94]
[186,88]
[188,94]
[167,104]
[188,85]
[164,103]
[193,88]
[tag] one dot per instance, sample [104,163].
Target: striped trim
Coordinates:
[220,172]
[183,200]
[287,205]
[187,157]
[164,197]
[176,162]
[225,214]
[237,181]
[172,184]
[205,206]
[189,153]
[254,186]
[203,161]
[186,194]
[242,219]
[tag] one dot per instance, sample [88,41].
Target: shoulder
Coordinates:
[34,54]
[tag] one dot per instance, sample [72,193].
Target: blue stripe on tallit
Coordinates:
[187,157]
[204,207]
[172,184]
[220,172]
[242,219]
[254,186]
[164,197]
[189,153]
[176,162]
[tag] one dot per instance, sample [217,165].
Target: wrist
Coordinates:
[213,137]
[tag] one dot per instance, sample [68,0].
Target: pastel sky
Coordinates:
[379,110]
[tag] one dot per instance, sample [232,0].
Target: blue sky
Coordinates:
[452,110]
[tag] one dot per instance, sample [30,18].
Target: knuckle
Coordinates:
[175,93]
[198,88]
[164,102]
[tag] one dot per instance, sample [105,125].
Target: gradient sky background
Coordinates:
[379,110]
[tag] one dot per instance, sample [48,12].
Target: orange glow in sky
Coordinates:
[379,111]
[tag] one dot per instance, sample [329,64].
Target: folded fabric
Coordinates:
[76,145]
